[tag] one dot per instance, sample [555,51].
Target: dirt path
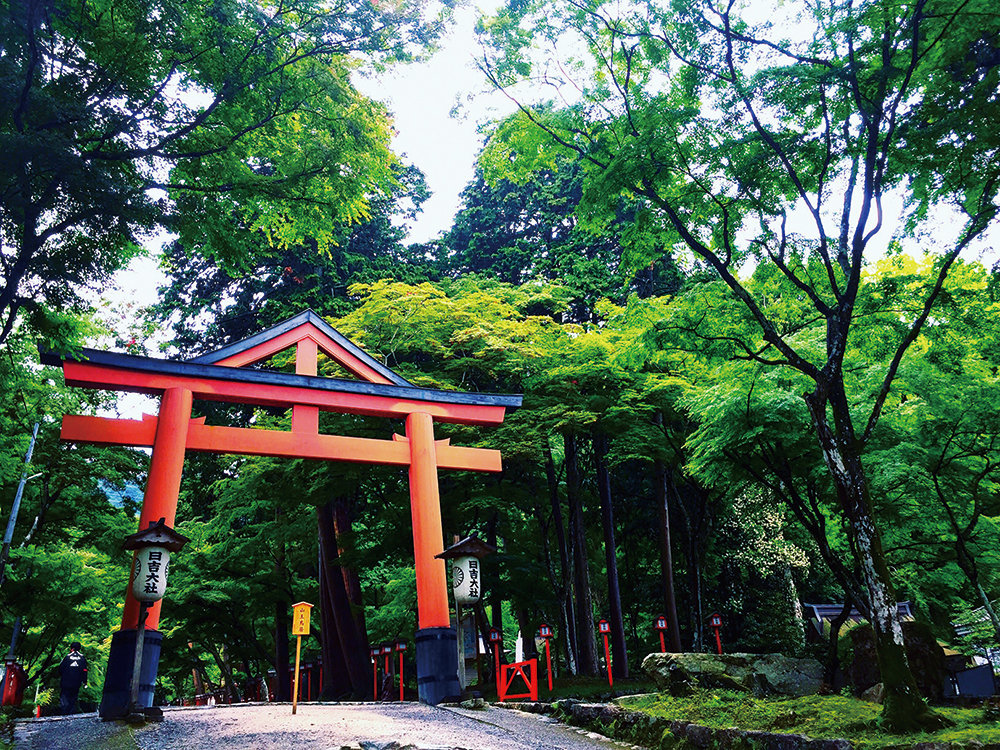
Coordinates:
[316,727]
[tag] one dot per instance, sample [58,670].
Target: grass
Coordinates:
[819,717]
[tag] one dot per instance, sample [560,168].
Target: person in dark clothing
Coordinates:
[72,676]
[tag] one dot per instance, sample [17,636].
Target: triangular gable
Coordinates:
[306,326]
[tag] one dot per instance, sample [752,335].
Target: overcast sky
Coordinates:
[421,98]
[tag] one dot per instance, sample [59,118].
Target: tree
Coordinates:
[232,123]
[730,133]
[517,232]
[209,305]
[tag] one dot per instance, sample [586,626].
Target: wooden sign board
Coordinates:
[300,618]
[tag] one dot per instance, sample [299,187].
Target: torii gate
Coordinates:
[220,376]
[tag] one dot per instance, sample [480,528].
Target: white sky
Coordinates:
[421,98]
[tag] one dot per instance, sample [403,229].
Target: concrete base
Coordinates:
[437,665]
[118,678]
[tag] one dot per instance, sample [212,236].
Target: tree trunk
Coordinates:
[336,681]
[903,709]
[528,630]
[693,538]
[565,592]
[283,684]
[496,600]
[666,552]
[344,536]
[619,663]
[354,643]
[832,652]
[796,607]
[222,662]
[581,572]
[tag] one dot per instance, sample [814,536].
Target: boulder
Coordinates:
[924,654]
[761,674]
[874,694]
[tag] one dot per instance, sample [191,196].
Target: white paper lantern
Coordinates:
[466,579]
[149,573]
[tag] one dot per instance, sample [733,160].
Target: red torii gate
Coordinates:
[220,376]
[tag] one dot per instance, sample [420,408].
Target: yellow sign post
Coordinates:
[300,627]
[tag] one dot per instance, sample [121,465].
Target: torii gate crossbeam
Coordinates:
[218,377]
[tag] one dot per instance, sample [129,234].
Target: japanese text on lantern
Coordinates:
[474,578]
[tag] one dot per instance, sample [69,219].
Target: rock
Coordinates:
[927,660]
[763,674]
[873,694]
[925,655]
[864,669]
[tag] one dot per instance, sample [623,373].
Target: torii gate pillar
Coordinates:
[436,640]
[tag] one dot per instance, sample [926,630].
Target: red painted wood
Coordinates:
[425,510]
[162,485]
[305,418]
[252,442]
[88,375]
[510,673]
[320,340]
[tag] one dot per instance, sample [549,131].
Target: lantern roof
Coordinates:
[158,534]
[471,546]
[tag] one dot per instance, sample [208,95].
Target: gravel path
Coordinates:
[316,727]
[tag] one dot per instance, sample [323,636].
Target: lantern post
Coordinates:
[604,629]
[375,651]
[495,642]
[400,648]
[466,583]
[660,624]
[716,622]
[386,652]
[545,631]
[150,565]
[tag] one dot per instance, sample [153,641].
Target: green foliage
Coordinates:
[231,123]
[818,717]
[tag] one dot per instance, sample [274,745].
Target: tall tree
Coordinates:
[727,129]
[225,121]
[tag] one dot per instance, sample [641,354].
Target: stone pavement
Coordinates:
[316,726]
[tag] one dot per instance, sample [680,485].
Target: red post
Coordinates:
[425,510]
[163,483]
[548,663]
[545,631]
[374,677]
[400,676]
[607,660]
[495,640]
[604,628]
[715,620]
[660,623]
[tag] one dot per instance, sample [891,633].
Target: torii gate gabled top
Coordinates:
[222,376]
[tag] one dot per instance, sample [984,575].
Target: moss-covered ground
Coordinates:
[819,717]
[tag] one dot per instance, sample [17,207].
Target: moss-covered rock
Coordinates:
[762,674]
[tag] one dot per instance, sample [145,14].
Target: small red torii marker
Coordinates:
[219,376]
